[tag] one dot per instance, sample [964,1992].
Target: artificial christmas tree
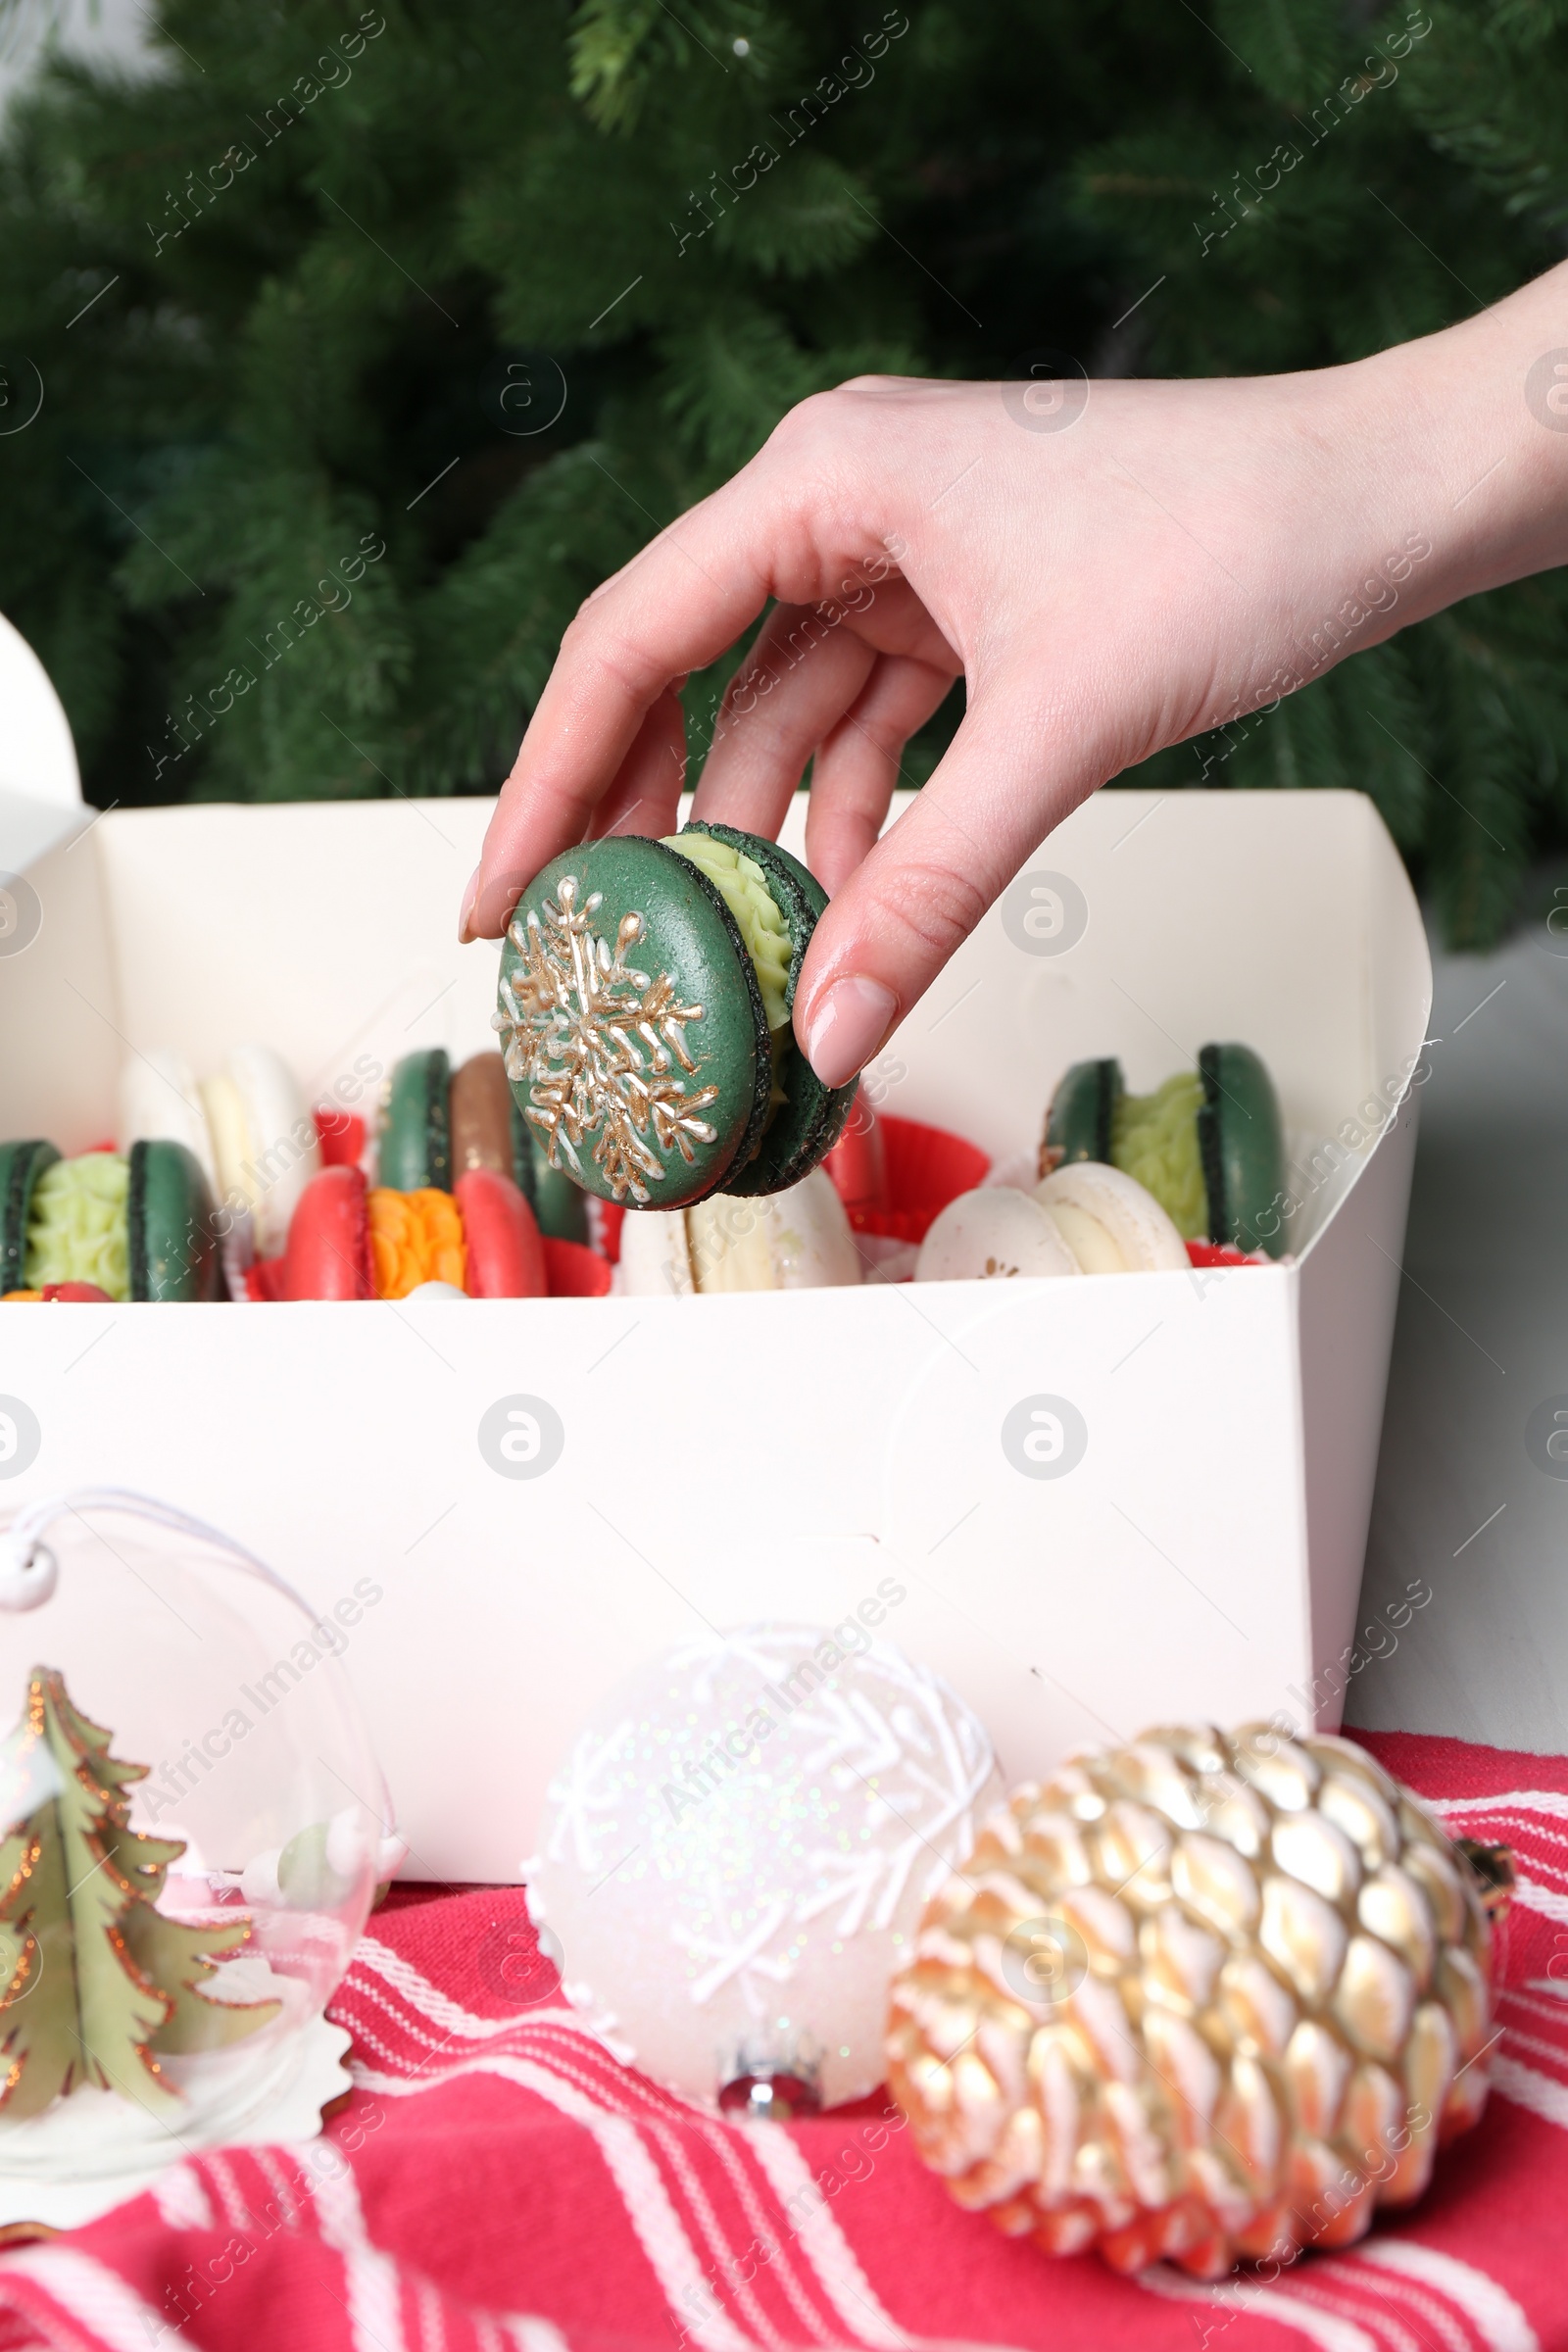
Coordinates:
[372,339]
[98,1982]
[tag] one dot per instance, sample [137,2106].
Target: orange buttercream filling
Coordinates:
[414,1237]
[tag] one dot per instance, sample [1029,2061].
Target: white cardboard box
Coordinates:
[750,1456]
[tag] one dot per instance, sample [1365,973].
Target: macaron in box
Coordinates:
[105,1225]
[457,1207]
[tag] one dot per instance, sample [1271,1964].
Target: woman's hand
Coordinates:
[1112,567]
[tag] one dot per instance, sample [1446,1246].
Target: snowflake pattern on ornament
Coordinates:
[895,1754]
[736,1851]
[587,1796]
[600,1046]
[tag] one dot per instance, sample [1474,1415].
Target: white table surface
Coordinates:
[1482,1340]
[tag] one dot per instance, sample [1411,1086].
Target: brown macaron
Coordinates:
[480,1112]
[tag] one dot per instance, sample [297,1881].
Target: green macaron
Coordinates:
[137,1225]
[437,1122]
[174,1255]
[1242,1142]
[1209,1143]
[21,1166]
[414,1150]
[645,998]
[806,1124]
[1081,1121]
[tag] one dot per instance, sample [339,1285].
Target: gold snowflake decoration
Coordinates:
[597,1043]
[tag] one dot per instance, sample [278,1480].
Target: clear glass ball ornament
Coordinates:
[736,1853]
[193,1829]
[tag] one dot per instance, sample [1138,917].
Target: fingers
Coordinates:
[857,765]
[797,680]
[676,608]
[786,527]
[643,798]
[1009,776]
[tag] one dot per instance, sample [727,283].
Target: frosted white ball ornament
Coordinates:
[735,1854]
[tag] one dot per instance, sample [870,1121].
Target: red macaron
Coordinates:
[506,1255]
[329,1255]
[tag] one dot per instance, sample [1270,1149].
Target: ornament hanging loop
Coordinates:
[29,1570]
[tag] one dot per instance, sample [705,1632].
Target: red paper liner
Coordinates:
[858,1162]
[61,1293]
[341,1135]
[927,1167]
[263,1280]
[1221,1254]
[574,1271]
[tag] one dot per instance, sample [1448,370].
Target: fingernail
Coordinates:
[848,1026]
[468,897]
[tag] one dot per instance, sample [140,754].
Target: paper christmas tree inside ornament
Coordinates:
[97,1982]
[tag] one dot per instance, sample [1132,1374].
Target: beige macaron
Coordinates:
[1082,1219]
[1110,1222]
[795,1239]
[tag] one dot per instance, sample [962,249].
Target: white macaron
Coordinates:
[796,1239]
[1082,1219]
[264,1138]
[989,1235]
[1110,1222]
[160,1102]
[248,1126]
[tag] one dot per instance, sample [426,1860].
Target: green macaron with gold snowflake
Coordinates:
[645,1013]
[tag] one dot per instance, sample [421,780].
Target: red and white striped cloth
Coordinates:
[498,2183]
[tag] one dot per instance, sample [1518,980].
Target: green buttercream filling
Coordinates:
[77,1230]
[743,886]
[1154,1139]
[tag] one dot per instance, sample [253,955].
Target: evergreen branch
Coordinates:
[272,303]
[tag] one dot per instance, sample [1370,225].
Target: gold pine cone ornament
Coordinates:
[1206,1998]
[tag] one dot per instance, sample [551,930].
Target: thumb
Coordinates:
[1009,778]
